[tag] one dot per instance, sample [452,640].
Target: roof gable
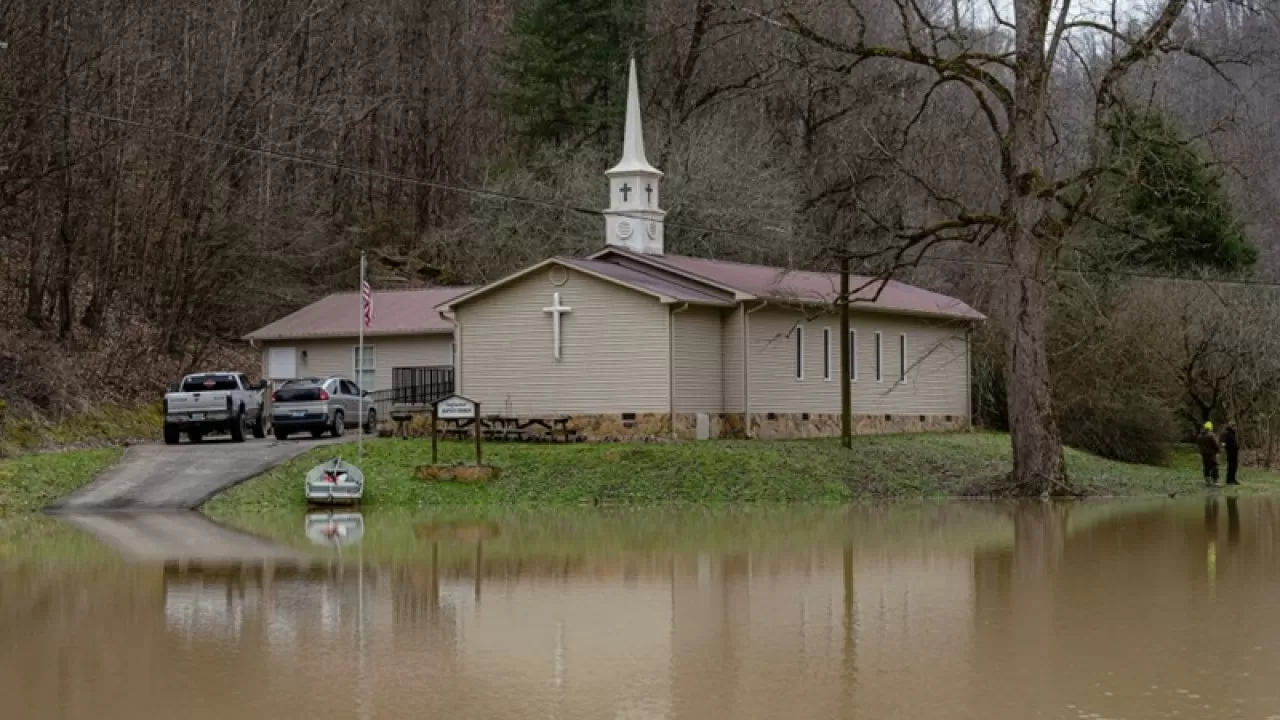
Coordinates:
[662,289]
[395,312]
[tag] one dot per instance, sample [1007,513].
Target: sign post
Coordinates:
[455,407]
[476,422]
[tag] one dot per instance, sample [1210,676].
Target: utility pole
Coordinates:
[846,367]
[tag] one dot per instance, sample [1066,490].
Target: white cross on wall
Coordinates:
[556,311]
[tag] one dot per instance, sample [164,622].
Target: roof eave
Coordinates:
[272,337]
[466,297]
[667,300]
[562,262]
[657,263]
[869,307]
[624,168]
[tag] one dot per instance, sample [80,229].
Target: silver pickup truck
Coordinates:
[214,402]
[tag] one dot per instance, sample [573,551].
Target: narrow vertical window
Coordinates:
[364,366]
[799,352]
[902,357]
[879,359]
[853,356]
[826,353]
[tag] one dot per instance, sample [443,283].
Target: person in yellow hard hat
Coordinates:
[1209,448]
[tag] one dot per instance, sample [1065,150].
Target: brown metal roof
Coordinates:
[395,312]
[813,287]
[671,287]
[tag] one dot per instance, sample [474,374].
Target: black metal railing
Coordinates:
[413,388]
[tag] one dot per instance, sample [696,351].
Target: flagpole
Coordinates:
[360,363]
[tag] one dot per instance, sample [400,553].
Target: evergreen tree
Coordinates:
[566,65]
[1172,213]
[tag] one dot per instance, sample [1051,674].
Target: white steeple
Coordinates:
[634,220]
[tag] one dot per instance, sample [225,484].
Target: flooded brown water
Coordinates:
[1151,609]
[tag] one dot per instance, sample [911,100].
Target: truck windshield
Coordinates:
[208,383]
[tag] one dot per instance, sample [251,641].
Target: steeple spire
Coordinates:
[634,218]
[633,159]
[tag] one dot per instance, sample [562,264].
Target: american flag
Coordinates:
[366,298]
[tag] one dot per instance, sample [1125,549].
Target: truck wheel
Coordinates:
[282,434]
[260,426]
[171,435]
[237,427]
[371,426]
[195,437]
[339,427]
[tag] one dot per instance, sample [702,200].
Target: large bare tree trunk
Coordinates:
[1038,464]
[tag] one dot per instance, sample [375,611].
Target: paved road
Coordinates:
[184,539]
[180,477]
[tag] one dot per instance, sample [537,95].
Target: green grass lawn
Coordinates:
[30,482]
[898,466]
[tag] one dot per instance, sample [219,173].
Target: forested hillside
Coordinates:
[175,174]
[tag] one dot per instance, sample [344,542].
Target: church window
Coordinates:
[799,335]
[879,359]
[902,357]
[853,356]
[826,353]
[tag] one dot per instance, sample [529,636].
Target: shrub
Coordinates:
[1128,429]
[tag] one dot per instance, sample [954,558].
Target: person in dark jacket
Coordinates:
[1231,446]
[1209,447]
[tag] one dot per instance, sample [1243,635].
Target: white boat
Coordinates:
[330,528]
[335,482]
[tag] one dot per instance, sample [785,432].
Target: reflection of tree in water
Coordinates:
[849,646]
[1125,582]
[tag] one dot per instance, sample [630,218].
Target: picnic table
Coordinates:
[507,428]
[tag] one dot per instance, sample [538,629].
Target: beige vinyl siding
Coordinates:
[698,372]
[732,348]
[937,380]
[614,348]
[336,356]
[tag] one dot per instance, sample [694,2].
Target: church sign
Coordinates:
[455,407]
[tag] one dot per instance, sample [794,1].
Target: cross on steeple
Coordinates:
[648,190]
[624,190]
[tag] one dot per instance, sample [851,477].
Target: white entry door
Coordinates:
[282,363]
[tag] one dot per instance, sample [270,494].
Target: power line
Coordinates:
[367,172]
[511,197]
[1135,274]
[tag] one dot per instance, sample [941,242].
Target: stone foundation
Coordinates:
[770,426]
[661,427]
[640,427]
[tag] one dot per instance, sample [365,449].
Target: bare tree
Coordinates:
[1009,70]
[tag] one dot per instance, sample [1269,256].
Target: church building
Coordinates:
[635,343]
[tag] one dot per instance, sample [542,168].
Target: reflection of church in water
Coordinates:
[932,621]
[689,635]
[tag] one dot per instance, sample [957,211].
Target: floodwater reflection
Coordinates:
[1149,609]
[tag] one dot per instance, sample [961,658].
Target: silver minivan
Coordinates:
[317,406]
